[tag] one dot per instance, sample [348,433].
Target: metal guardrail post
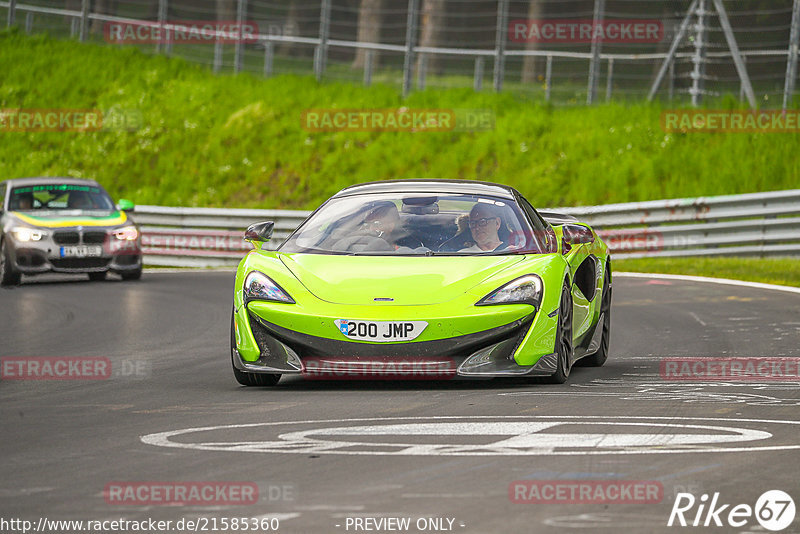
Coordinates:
[217,55]
[12,12]
[791,60]
[321,53]
[84,19]
[671,86]
[162,18]
[411,36]
[238,48]
[28,22]
[548,78]
[597,44]
[501,36]
[422,70]
[477,82]
[609,78]
[369,57]
[269,54]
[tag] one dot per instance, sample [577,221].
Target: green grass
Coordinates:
[782,271]
[237,141]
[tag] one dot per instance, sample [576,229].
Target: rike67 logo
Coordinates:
[774,510]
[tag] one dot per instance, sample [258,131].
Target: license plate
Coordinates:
[380,331]
[81,252]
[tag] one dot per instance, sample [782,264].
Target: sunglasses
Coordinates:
[475,223]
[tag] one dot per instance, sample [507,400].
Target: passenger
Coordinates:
[485,223]
[24,202]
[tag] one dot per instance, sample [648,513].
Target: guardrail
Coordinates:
[757,224]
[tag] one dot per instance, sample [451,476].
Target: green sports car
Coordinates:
[422,279]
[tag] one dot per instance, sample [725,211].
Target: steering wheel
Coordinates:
[362,243]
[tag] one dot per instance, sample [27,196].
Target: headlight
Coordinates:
[126,233]
[524,290]
[258,286]
[28,234]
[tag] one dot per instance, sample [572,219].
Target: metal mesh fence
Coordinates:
[534,47]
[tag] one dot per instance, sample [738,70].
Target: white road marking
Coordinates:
[698,319]
[710,280]
[505,436]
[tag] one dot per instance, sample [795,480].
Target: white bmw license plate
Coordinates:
[81,251]
[380,331]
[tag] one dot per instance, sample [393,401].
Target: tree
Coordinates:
[529,62]
[369,30]
[433,21]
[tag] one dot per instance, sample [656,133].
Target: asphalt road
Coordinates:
[172,412]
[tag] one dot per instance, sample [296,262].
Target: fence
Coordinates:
[704,47]
[758,224]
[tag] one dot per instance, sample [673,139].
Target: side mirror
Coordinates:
[125,205]
[575,234]
[259,232]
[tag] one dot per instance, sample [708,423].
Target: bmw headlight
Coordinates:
[523,290]
[126,233]
[25,234]
[258,286]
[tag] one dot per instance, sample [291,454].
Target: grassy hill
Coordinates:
[237,141]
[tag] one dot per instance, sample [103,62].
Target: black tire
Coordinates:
[599,358]
[9,276]
[564,342]
[250,379]
[98,276]
[132,275]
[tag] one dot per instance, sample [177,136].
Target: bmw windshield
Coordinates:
[421,224]
[60,197]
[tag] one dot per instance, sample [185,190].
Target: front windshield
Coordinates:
[59,197]
[416,224]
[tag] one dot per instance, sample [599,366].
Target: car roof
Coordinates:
[430,186]
[49,180]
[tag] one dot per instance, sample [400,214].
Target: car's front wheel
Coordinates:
[9,276]
[245,378]
[132,275]
[564,342]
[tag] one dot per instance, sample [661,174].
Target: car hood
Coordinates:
[69,218]
[359,280]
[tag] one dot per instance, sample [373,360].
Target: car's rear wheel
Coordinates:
[599,358]
[98,276]
[564,343]
[9,276]
[249,379]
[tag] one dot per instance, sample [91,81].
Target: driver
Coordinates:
[80,200]
[24,201]
[485,222]
[383,221]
